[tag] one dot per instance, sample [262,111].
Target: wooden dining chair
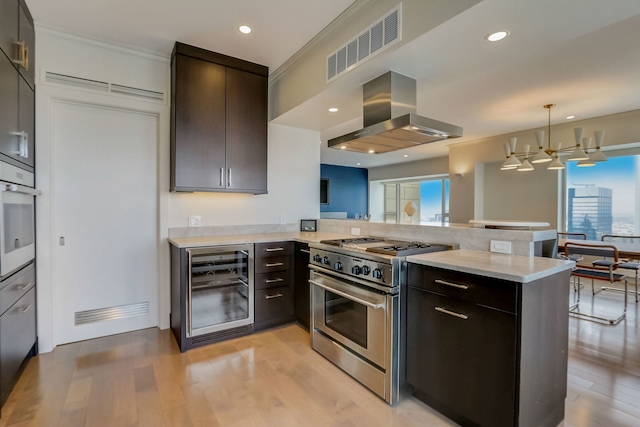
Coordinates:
[625,263]
[589,270]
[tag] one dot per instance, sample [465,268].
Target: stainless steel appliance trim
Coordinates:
[383,288]
[21,253]
[451,313]
[245,249]
[455,285]
[377,339]
[346,294]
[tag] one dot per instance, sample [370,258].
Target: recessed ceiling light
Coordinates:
[333,110]
[497,36]
[357,164]
[371,151]
[244,29]
[571,117]
[343,147]
[406,155]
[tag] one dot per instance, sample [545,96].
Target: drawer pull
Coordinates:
[273,296]
[451,313]
[274,249]
[279,279]
[274,264]
[24,308]
[455,285]
[23,286]
[306,251]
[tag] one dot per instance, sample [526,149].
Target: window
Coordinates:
[417,202]
[603,199]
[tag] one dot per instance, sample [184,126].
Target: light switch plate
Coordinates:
[195,220]
[500,246]
[355,231]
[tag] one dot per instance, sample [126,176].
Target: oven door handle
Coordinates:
[348,296]
[15,188]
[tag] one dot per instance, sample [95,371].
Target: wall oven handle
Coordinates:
[451,313]
[346,295]
[15,188]
[455,285]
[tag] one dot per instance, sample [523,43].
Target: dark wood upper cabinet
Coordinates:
[17,96]
[218,123]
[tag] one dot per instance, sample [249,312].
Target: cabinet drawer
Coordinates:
[276,263]
[273,303]
[17,336]
[16,286]
[496,293]
[272,249]
[273,279]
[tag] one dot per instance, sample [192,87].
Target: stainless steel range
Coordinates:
[357,314]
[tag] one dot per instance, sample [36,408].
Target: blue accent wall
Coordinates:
[348,189]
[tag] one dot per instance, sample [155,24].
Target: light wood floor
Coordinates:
[273,378]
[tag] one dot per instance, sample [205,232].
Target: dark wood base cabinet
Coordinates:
[274,289]
[18,338]
[488,352]
[301,284]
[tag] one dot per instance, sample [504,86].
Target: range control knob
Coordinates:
[337,266]
[316,258]
[355,270]
[377,273]
[325,260]
[366,270]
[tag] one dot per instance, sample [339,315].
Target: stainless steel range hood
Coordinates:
[390,119]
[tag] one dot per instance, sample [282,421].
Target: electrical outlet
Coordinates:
[195,220]
[355,231]
[500,246]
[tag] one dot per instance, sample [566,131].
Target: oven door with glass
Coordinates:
[354,316]
[17,235]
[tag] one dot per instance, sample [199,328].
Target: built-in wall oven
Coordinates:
[17,218]
[357,315]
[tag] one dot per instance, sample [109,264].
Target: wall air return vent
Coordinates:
[104,87]
[111,313]
[382,34]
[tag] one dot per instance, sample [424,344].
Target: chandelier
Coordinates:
[579,152]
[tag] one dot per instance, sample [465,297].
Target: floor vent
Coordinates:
[379,36]
[105,87]
[111,313]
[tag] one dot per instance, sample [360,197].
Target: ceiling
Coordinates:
[582,55]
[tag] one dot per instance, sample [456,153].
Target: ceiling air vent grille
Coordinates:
[382,34]
[104,87]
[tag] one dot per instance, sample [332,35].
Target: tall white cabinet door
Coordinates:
[105,221]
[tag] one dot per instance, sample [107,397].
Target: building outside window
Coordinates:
[417,202]
[603,199]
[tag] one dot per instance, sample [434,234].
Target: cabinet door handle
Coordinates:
[221,177]
[274,264]
[24,308]
[279,279]
[306,251]
[23,286]
[229,177]
[23,55]
[274,249]
[273,296]
[451,313]
[455,285]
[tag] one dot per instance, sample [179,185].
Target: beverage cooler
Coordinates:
[211,293]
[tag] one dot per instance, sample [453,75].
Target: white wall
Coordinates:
[293,185]
[293,174]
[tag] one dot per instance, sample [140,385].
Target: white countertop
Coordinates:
[500,266]
[298,236]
